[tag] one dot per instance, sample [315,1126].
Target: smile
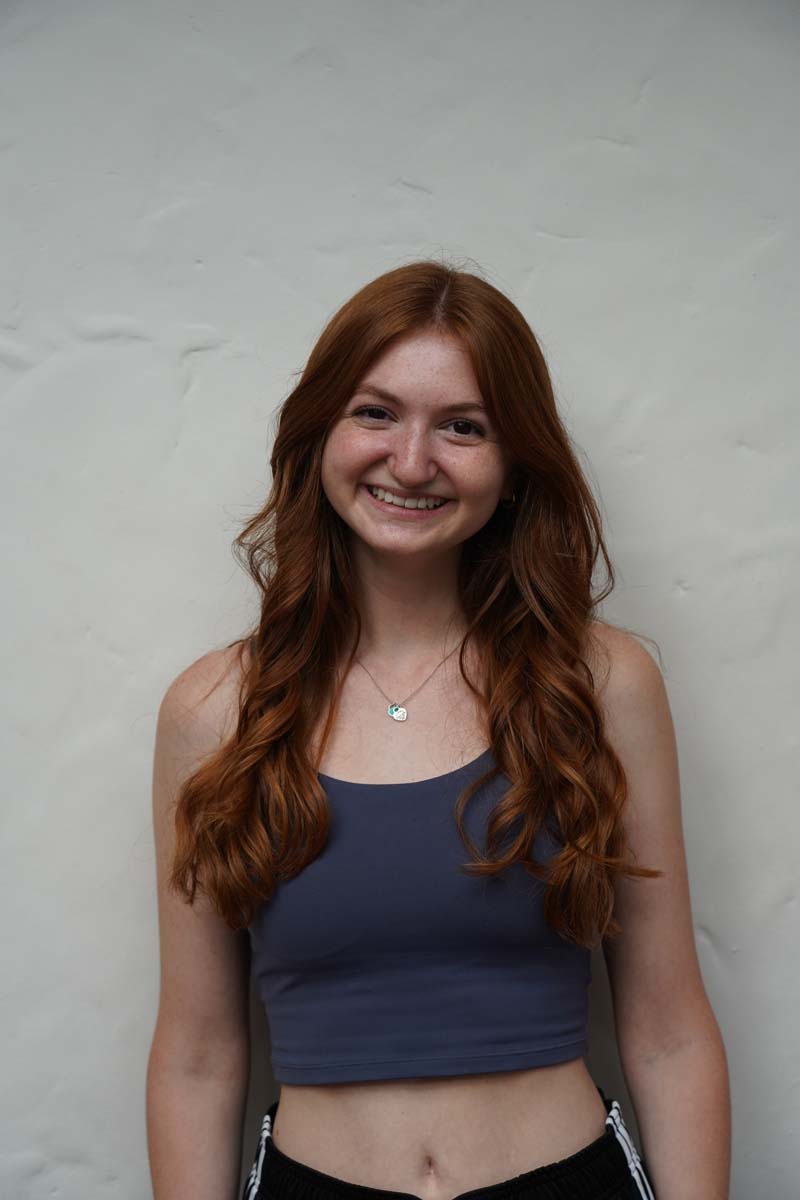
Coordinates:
[389,498]
[421,508]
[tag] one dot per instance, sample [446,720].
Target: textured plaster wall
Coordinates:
[188,191]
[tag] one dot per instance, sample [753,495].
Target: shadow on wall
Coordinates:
[263,1088]
[602,1060]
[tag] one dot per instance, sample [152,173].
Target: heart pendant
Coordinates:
[397,711]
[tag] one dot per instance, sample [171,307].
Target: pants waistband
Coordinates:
[598,1171]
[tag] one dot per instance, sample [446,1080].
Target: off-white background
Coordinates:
[188,191]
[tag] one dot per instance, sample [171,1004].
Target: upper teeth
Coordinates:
[412,502]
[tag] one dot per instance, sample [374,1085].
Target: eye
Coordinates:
[371,408]
[463,421]
[376,408]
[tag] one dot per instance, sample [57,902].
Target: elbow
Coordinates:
[176,1053]
[694,1029]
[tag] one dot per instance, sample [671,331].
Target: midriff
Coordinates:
[438,1137]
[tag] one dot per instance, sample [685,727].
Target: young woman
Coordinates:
[413,797]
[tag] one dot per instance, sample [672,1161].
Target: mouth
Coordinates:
[412,513]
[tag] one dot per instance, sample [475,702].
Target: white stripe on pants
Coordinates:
[254,1178]
[614,1119]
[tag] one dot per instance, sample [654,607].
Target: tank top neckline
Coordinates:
[485,754]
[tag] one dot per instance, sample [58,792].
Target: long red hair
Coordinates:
[254,812]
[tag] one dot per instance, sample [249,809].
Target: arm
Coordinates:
[670,1046]
[198,1069]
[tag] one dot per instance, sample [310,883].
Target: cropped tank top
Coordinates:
[382,959]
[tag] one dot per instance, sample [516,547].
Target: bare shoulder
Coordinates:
[621,666]
[202,1020]
[653,969]
[201,704]
[634,705]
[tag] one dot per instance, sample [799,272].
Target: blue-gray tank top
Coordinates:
[383,960]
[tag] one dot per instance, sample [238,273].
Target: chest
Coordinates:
[444,728]
[389,886]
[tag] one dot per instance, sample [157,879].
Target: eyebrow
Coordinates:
[372,389]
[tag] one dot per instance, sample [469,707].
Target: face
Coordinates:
[421,432]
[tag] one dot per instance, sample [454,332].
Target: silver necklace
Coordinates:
[397,711]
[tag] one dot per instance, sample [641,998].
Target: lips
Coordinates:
[401,495]
[399,511]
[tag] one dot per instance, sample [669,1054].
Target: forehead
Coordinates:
[426,368]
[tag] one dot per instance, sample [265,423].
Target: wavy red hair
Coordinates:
[254,812]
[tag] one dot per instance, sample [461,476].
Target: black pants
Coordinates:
[609,1168]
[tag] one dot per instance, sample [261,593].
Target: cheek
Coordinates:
[344,459]
[336,451]
[482,474]
[333,465]
[346,453]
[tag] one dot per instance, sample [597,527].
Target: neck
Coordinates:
[409,617]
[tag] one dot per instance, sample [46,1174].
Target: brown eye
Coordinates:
[375,408]
[371,408]
[464,421]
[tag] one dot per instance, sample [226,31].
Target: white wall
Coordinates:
[188,191]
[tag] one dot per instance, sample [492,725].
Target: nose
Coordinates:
[411,460]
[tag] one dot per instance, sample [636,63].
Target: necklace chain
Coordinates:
[398,711]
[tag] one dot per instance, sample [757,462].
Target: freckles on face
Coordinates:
[470,478]
[352,456]
[347,454]
[359,447]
